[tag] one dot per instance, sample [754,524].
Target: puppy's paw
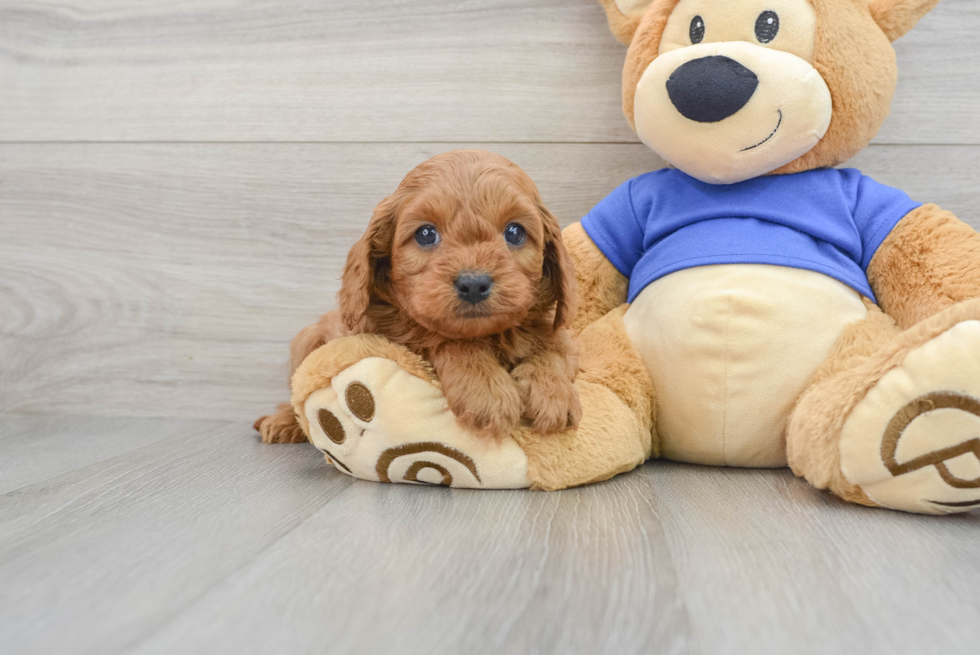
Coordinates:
[493,411]
[550,399]
[280,427]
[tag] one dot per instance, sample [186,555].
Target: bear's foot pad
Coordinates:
[913,442]
[376,421]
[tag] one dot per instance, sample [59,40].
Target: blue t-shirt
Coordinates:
[828,220]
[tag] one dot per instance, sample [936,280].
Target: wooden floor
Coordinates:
[179,184]
[142,535]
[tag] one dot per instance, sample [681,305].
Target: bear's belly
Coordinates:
[730,349]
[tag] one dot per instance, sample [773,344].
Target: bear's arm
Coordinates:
[601,288]
[929,261]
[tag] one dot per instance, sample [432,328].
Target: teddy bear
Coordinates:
[751,305]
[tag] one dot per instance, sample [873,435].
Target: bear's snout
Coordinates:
[711,89]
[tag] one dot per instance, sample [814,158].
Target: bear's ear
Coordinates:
[624,17]
[896,17]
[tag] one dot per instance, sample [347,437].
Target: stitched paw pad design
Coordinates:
[957,464]
[375,421]
[913,443]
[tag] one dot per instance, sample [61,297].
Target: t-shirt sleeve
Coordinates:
[614,228]
[876,210]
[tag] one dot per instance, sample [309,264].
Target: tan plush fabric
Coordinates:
[362,398]
[852,54]
[375,421]
[323,364]
[788,113]
[865,353]
[896,17]
[929,262]
[644,47]
[814,426]
[624,16]
[726,22]
[632,7]
[730,348]
[377,412]
[601,287]
[912,442]
[858,63]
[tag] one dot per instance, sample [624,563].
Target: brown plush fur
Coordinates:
[506,357]
[930,261]
[814,427]
[857,62]
[644,48]
[896,17]
[609,360]
[865,352]
[623,27]
[601,288]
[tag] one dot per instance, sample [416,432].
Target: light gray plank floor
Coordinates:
[388,70]
[191,537]
[167,279]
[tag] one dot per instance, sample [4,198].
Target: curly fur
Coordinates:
[505,358]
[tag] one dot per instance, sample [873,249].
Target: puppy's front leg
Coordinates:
[479,390]
[546,381]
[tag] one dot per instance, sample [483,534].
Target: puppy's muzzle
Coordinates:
[473,288]
[711,89]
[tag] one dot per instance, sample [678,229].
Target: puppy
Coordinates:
[464,265]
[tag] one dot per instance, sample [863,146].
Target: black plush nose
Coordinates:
[711,89]
[474,287]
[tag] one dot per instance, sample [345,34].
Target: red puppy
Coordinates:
[464,265]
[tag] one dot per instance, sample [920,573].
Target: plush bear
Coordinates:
[750,306]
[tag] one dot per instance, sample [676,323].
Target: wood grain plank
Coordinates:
[35,448]
[208,542]
[162,264]
[448,70]
[669,558]
[157,280]
[94,559]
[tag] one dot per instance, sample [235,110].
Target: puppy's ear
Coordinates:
[896,17]
[624,17]
[366,274]
[558,271]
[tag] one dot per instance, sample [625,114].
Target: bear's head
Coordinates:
[728,90]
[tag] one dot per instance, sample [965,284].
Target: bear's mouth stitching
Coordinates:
[780,122]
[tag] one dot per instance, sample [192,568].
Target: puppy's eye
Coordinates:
[766,26]
[697,30]
[514,234]
[426,236]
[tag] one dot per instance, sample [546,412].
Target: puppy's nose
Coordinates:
[711,89]
[473,287]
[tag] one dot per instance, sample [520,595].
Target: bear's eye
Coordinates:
[697,30]
[426,236]
[514,234]
[766,26]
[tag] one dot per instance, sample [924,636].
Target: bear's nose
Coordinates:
[473,287]
[711,89]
